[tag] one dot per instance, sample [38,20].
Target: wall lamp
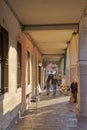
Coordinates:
[74,33]
[68,42]
[40,64]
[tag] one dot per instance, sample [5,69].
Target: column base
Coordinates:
[78,113]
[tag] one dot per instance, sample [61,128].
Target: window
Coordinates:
[28,68]
[3,60]
[19,65]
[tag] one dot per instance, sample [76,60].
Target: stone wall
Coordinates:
[10,101]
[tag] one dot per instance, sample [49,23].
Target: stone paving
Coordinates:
[53,113]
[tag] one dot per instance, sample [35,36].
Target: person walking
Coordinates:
[48,85]
[74,89]
[54,83]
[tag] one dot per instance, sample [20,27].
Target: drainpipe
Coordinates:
[65,64]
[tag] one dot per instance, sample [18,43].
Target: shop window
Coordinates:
[19,65]
[28,67]
[3,60]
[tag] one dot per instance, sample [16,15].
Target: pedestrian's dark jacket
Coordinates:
[48,81]
[74,87]
[54,81]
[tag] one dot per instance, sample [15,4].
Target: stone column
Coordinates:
[82,67]
[61,66]
[73,58]
[68,67]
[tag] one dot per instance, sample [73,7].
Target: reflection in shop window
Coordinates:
[28,67]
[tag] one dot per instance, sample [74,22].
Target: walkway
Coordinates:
[53,113]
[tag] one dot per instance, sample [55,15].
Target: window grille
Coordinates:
[19,65]
[3,60]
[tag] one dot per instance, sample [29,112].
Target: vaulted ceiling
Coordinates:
[49,23]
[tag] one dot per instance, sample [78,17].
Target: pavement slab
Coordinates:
[52,113]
